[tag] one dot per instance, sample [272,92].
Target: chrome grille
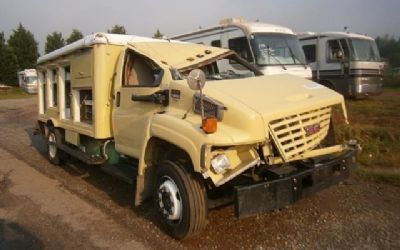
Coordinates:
[298,133]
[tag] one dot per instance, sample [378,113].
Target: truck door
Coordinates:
[140,78]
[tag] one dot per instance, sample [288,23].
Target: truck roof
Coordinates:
[176,54]
[249,27]
[95,38]
[308,35]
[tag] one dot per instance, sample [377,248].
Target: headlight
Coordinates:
[220,163]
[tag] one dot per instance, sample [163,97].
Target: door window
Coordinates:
[140,71]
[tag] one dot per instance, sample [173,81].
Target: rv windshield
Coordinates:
[275,49]
[364,50]
[31,79]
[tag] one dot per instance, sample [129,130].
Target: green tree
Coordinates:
[8,63]
[389,48]
[117,29]
[54,41]
[23,45]
[74,36]
[158,34]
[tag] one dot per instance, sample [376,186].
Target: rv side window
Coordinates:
[216,43]
[86,105]
[310,52]
[241,46]
[140,71]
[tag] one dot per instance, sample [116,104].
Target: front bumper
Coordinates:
[308,179]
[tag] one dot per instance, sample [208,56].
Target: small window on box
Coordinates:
[44,89]
[54,87]
[67,92]
[86,105]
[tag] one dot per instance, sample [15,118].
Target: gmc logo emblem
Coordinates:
[312,129]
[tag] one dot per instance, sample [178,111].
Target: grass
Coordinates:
[13,93]
[375,123]
[380,175]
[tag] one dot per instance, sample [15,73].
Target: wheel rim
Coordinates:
[169,199]
[52,145]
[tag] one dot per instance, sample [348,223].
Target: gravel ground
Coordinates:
[356,214]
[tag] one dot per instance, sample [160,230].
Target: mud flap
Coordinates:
[270,195]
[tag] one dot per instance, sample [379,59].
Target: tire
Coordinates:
[54,154]
[184,214]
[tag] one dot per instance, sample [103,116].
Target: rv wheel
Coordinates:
[54,154]
[180,199]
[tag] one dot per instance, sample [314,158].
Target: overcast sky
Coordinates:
[143,17]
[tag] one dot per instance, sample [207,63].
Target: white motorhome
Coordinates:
[272,49]
[27,80]
[346,62]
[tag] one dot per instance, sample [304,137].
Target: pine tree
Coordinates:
[54,41]
[8,63]
[117,29]
[158,34]
[74,36]
[23,45]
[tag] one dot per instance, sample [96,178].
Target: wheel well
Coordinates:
[158,149]
[328,84]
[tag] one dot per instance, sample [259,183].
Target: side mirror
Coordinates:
[196,79]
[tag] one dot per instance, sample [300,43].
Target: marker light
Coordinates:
[209,125]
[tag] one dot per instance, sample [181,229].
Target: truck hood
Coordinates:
[275,96]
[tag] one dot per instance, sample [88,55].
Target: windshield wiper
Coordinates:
[294,57]
[269,51]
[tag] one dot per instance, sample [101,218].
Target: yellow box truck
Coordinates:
[174,119]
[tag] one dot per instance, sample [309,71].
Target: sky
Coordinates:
[171,17]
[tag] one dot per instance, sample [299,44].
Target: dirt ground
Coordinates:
[79,206]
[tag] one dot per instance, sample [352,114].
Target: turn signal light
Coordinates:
[209,125]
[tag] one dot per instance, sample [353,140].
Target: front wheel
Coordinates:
[180,199]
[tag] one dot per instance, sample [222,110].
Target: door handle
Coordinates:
[118,99]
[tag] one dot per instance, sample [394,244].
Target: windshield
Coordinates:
[31,79]
[274,49]
[364,50]
[226,66]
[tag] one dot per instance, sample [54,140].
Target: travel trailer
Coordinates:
[167,117]
[27,80]
[271,48]
[346,62]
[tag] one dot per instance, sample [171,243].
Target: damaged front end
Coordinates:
[294,162]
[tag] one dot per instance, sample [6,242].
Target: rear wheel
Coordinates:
[54,154]
[180,199]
